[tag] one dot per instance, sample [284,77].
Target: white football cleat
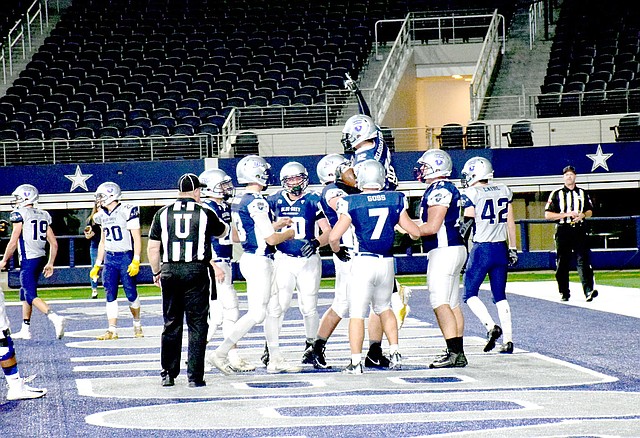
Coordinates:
[22,391]
[59,323]
[279,365]
[22,334]
[241,365]
[222,363]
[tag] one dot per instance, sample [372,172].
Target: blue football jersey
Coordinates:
[442,192]
[329,192]
[304,214]
[374,216]
[222,247]
[379,152]
[243,211]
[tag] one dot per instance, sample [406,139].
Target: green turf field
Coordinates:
[630,278]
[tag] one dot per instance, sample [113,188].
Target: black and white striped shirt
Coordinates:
[564,200]
[184,229]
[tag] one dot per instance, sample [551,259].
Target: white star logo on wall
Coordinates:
[599,159]
[79,179]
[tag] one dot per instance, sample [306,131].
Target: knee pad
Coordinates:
[258,315]
[215,312]
[6,349]
[112,309]
[135,304]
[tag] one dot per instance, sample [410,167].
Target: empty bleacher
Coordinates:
[119,68]
[594,63]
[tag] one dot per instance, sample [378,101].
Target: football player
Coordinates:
[362,139]
[255,228]
[297,263]
[223,311]
[374,215]
[119,248]
[439,212]
[488,209]
[18,388]
[328,170]
[30,234]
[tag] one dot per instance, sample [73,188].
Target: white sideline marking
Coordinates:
[611,299]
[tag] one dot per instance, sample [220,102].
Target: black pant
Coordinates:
[186,290]
[573,239]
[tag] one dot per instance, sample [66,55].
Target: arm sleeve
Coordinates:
[259,212]
[362,104]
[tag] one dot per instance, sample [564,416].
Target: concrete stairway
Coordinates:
[522,69]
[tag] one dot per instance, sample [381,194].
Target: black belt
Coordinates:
[222,260]
[371,254]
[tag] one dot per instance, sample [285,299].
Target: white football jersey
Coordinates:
[116,225]
[35,223]
[491,203]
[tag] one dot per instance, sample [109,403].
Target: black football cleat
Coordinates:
[450,360]
[265,355]
[506,348]
[492,336]
[377,361]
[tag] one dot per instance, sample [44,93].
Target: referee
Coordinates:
[569,206]
[179,252]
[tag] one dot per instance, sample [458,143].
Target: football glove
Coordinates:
[466,226]
[392,178]
[133,268]
[350,84]
[346,175]
[513,257]
[95,272]
[309,248]
[343,254]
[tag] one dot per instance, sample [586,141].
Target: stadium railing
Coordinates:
[285,134]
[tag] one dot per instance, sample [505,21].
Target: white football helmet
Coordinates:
[253,169]
[294,178]
[433,164]
[370,174]
[476,169]
[106,193]
[326,168]
[219,184]
[23,195]
[358,129]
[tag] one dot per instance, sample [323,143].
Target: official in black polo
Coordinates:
[179,252]
[569,206]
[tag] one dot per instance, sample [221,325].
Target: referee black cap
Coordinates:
[189,182]
[569,168]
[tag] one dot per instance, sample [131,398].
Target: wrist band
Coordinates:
[155,274]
